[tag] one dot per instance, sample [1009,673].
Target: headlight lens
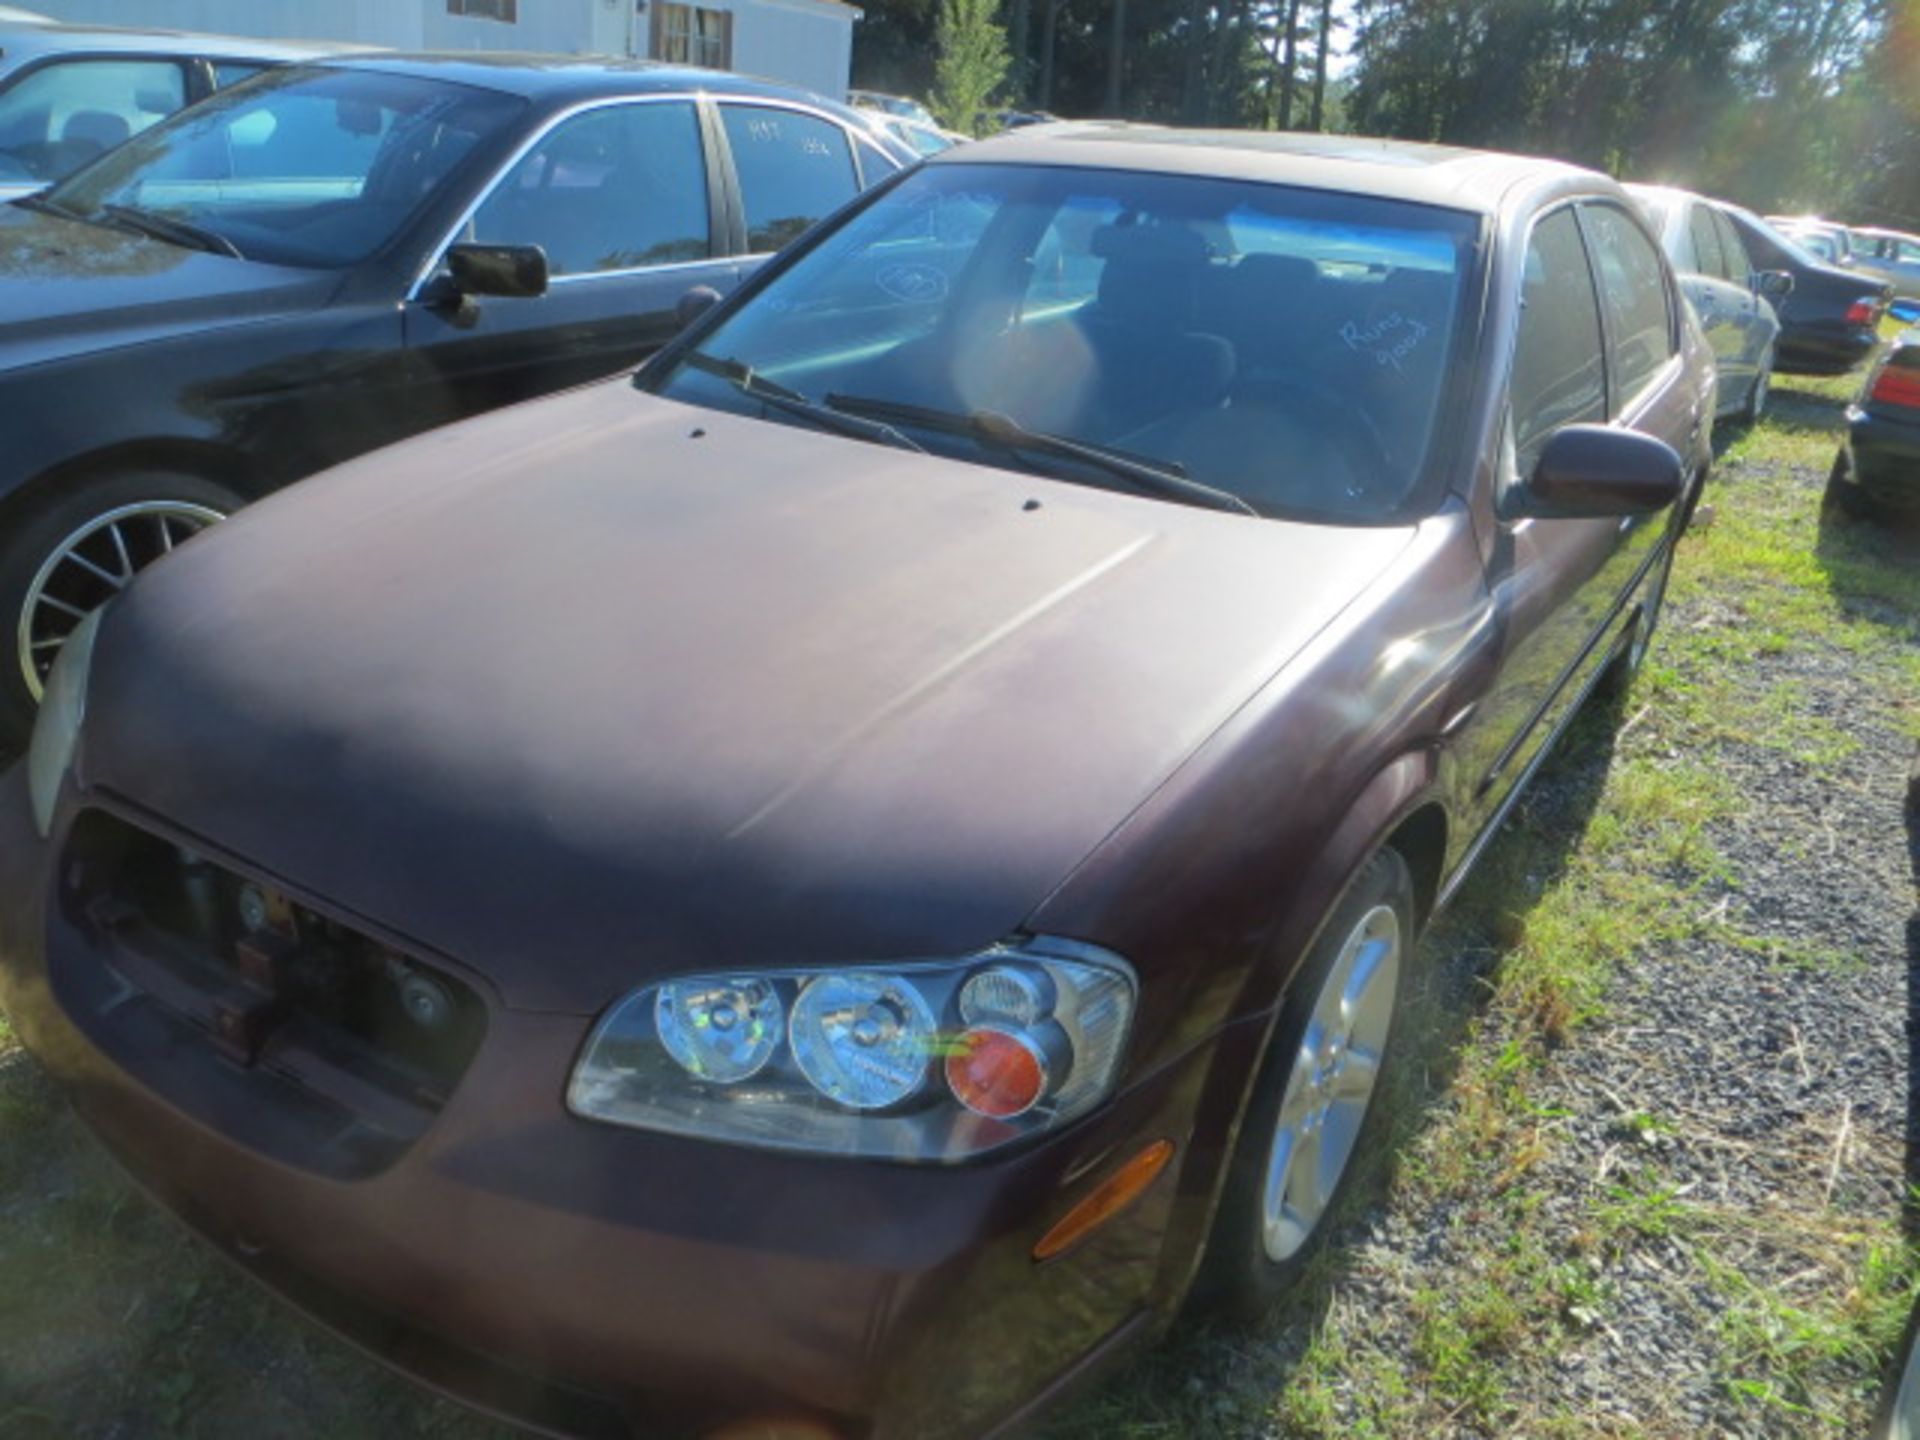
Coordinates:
[56,730]
[920,1062]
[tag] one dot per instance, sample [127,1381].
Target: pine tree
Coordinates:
[972,62]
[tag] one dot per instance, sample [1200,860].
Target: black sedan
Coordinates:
[329,257]
[1830,321]
[1879,462]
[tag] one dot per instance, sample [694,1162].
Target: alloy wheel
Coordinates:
[92,565]
[1332,1083]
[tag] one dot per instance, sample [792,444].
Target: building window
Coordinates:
[507,11]
[693,35]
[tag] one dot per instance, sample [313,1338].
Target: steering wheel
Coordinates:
[1352,428]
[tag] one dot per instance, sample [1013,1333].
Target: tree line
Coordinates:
[1780,104]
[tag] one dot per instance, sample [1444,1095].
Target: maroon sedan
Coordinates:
[836,884]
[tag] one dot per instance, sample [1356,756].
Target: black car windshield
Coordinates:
[313,167]
[1282,345]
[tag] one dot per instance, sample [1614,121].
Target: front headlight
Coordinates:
[925,1061]
[56,730]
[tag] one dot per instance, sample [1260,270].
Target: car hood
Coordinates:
[68,288]
[607,686]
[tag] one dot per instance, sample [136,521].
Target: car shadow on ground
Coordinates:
[1209,1360]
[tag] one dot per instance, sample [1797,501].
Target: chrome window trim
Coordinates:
[664,268]
[608,102]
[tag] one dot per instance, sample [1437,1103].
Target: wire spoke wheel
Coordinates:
[92,565]
[1331,1083]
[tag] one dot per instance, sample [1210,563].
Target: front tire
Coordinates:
[1314,1108]
[71,553]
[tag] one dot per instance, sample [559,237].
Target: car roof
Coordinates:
[22,41]
[577,77]
[1460,179]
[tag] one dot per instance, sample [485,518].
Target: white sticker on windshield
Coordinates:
[1390,339]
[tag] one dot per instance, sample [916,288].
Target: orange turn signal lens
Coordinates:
[1107,1200]
[996,1073]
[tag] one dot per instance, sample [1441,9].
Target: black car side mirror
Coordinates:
[514,272]
[1587,471]
[1772,284]
[695,303]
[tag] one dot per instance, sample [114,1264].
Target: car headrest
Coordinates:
[96,127]
[1151,244]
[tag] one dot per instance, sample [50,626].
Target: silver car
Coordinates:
[70,93]
[1891,255]
[1732,298]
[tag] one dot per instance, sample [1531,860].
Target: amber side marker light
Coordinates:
[1107,1200]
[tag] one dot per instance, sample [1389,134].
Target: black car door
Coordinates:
[621,197]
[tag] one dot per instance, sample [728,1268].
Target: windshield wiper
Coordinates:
[1167,479]
[175,232]
[43,202]
[772,393]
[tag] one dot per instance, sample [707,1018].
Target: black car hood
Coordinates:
[607,686]
[69,288]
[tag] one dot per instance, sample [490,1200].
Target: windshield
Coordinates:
[1285,346]
[311,167]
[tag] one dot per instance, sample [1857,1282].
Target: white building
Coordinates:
[801,42]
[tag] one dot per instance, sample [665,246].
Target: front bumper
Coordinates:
[589,1280]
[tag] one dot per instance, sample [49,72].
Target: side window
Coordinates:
[793,169]
[1706,241]
[1558,375]
[55,119]
[1633,292]
[1738,270]
[613,189]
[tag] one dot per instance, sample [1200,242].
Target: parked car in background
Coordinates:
[1020,119]
[1825,239]
[1733,299]
[1830,321]
[70,93]
[895,837]
[923,140]
[901,105]
[327,258]
[1891,255]
[1878,467]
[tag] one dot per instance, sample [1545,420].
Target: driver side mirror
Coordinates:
[1591,471]
[1772,284]
[514,272]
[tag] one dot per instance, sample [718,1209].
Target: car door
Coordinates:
[1758,324]
[63,113]
[1594,342]
[620,197]
[1716,301]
